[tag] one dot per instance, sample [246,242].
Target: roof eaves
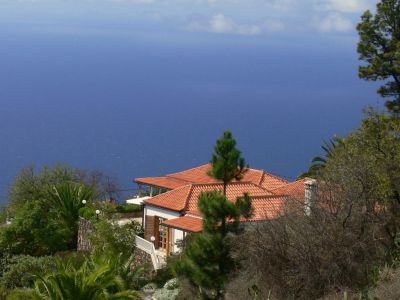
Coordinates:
[164,207]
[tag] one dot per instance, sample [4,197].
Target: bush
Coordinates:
[114,239]
[87,212]
[23,294]
[20,270]
[128,208]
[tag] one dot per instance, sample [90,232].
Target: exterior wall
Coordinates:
[150,212]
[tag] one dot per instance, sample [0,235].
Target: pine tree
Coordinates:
[379,47]
[206,261]
[227,163]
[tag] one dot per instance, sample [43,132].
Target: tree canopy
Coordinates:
[207,261]
[379,48]
[43,209]
[227,162]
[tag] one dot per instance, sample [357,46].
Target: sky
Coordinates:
[235,17]
[144,87]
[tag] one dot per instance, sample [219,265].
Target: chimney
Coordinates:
[309,195]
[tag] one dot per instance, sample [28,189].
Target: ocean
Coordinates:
[135,105]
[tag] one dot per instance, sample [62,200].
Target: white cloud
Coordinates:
[333,22]
[219,23]
[346,6]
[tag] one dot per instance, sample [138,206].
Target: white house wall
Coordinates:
[150,210]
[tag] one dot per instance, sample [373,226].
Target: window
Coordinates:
[162,235]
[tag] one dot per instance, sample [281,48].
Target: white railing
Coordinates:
[148,247]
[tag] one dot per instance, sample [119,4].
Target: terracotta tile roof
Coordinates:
[174,200]
[267,208]
[233,191]
[185,223]
[271,182]
[165,182]
[264,208]
[199,175]
[293,189]
[267,191]
[195,175]
[186,198]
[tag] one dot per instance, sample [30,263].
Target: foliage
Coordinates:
[169,291]
[24,294]
[165,274]
[353,229]
[87,212]
[35,230]
[36,209]
[95,278]
[227,163]
[18,270]
[113,239]
[31,186]
[128,208]
[67,199]
[206,260]
[319,162]
[379,47]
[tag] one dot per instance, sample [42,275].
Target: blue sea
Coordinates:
[145,104]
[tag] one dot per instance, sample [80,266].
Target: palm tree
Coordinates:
[318,163]
[67,199]
[95,278]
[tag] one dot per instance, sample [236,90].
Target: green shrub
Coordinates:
[169,292]
[23,294]
[128,208]
[20,270]
[87,212]
[114,239]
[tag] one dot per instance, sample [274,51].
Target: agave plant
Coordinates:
[318,163]
[95,278]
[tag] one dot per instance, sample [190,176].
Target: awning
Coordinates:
[185,223]
[137,201]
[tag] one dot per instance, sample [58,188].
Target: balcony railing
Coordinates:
[148,247]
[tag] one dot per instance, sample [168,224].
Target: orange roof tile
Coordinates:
[267,208]
[267,191]
[199,175]
[165,182]
[186,198]
[293,189]
[233,191]
[185,223]
[195,175]
[174,200]
[271,182]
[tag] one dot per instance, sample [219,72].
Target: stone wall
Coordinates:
[141,258]
[85,229]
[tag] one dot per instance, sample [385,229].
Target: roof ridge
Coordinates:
[170,191]
[165,176]
[191,169]
[277,177]
[175,178]
[289,183]
[221,183]
[268,196]
[262,177]
[188,197]
[261,187]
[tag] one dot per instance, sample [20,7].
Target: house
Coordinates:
[171,211]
